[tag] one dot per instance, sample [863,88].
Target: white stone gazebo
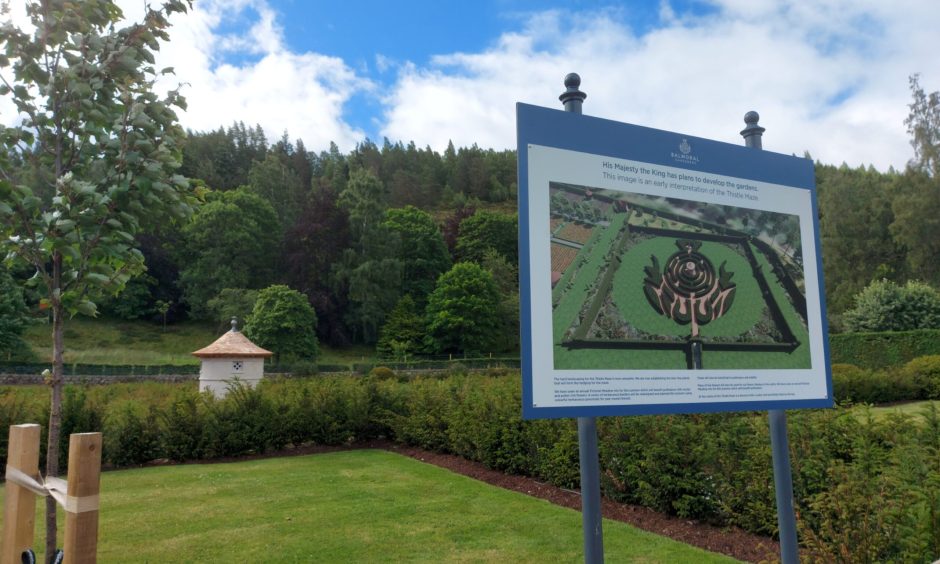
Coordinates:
[232,357]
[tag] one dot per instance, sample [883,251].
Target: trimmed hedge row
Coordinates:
[881,350]
[865,487]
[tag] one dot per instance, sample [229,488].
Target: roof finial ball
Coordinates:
[234,324]
[572,97]
[753,132]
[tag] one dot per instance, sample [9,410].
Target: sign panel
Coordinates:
[663,273]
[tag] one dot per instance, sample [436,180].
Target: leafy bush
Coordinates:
[130,437]
[858,385]
[382,373]
[924,375]
[886,306]
[862,486]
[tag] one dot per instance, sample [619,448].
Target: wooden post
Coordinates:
[19,509]
[81,519]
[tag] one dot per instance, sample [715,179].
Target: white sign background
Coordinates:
[567,388]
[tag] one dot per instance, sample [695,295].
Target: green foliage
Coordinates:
[487,230]
[858,481]
[369,270]
[96,153]
[135,301]
[231,243]
[857,245]
[923,125]
[422,250]
[881,350]
[275,181]
[283,322]
[80,414]
[382,373]
[131,435]
[858,385]
[887,306]
[13,316]
[232,302]
[402,334]
[463,311]
[916,205]
[924,374]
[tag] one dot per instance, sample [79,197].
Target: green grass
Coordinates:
[593,253]
[110,341]
[357,506]
[799,358]
[911,409]
[628,294]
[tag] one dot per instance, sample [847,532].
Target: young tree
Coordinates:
[93,158]
[283,322]
[403,331]
[463,311]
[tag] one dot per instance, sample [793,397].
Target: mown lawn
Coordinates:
[357,506]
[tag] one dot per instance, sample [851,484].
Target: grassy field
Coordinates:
[357,506]
[912,409]
[109,341]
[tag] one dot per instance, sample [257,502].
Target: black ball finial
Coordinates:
[753,132]
[572,97]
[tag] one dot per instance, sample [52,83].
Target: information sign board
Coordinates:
[664,273]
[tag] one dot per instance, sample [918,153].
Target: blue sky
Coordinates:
[827,76]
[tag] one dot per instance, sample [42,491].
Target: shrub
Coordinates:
[184,426]
[924,374]
[382,373]
[858,385]
[886,306]
[132,438]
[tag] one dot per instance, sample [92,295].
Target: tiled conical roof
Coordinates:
[233,344]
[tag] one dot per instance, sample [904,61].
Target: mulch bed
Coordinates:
[730,541]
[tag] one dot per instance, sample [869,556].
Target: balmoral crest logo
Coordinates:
[685,156]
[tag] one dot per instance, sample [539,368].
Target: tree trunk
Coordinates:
[55,423]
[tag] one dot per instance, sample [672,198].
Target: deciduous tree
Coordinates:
[463,311]
[283,322]
[93,159]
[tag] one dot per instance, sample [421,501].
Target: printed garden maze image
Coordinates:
[647,282]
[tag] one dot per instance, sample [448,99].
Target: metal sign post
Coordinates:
[779,443]
[588,456]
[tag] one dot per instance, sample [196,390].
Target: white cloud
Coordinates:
[302,93]
[828,76]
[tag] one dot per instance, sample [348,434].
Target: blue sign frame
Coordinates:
[543,127]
